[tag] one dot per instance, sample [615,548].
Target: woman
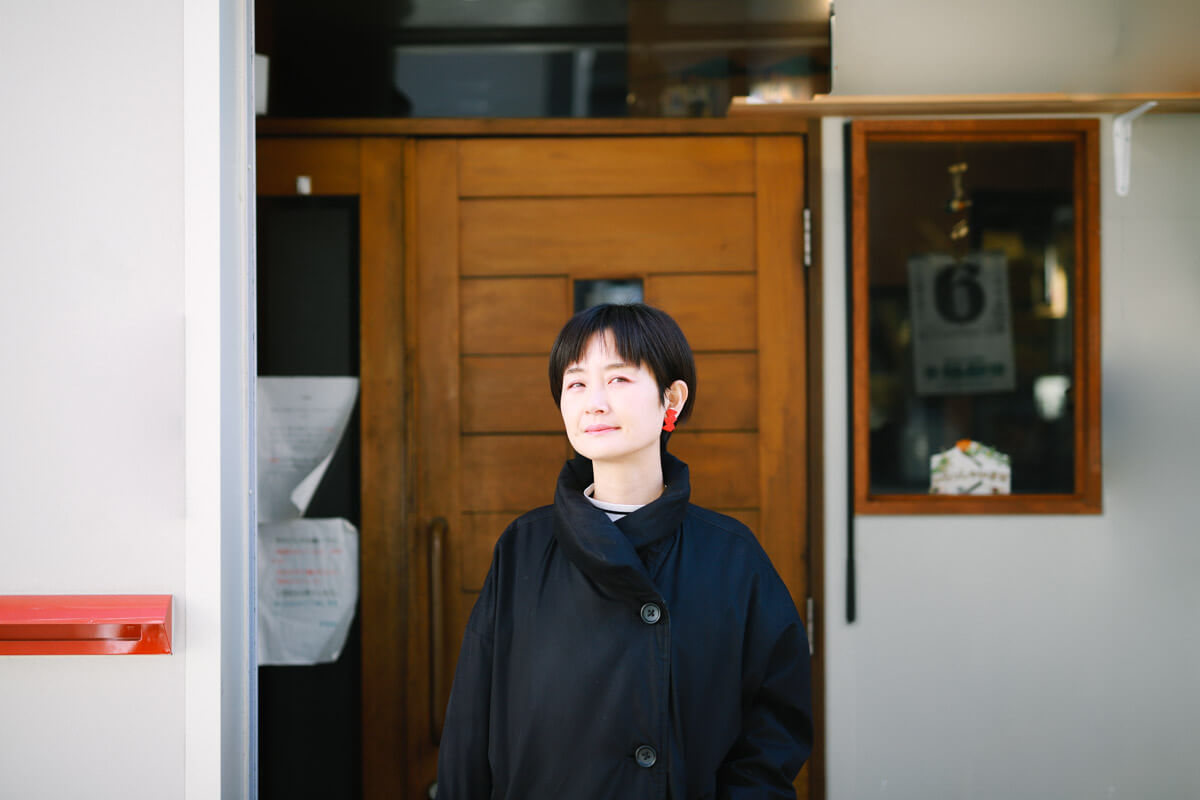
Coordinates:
[627,644]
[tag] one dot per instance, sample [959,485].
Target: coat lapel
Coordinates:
[606,551]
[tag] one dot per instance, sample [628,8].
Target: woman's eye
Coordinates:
[573,384]
[620,378]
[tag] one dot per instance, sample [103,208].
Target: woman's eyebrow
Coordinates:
[614,365]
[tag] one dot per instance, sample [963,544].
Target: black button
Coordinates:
[645,756]
[651,613]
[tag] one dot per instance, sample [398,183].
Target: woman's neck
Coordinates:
[628,484]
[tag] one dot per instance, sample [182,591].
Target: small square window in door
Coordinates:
[590,293]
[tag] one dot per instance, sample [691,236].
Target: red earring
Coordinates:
[669,424]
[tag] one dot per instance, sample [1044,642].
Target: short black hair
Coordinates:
[642,334]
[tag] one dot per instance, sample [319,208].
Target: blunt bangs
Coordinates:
[642,335]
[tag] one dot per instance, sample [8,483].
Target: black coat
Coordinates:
[660,656]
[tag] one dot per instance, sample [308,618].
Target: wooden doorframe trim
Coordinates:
[388,465]
[429,127]
[814,276]
[433,312]
[785,400]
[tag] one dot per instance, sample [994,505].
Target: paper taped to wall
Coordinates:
[300,422]
[307,589]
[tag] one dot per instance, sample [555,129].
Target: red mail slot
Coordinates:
[83,624]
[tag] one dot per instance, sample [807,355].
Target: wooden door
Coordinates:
[500,231]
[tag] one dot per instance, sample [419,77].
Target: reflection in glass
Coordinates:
[971,308]
[539,58]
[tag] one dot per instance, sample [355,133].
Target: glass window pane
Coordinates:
[593,293]
[971,303]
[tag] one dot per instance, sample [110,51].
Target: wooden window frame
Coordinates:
[1084,135]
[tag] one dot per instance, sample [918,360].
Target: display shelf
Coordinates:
[831,105]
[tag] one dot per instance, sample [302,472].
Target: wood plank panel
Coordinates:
[513,315]
[716,312]
[726,392]
[782,396]
[507,394]
[332,164]
[431,646]
[561,167]
[723,466]
[607,236]
[386,465]
[479,536]
[517,241]
[510,473]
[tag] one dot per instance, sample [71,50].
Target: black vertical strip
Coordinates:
[309,723]
[851,577]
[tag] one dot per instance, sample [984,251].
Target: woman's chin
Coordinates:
[596,450]
[610,452]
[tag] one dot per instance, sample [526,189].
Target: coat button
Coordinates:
[645,756]
[651,613]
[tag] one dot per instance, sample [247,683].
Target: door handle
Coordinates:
[437,632]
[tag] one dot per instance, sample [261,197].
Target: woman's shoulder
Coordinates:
[721,529]
[729,544]
[538,517]
[532,525]
[718,522]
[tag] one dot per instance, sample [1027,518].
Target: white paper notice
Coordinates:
[300,422]
[962,323]
[307,589]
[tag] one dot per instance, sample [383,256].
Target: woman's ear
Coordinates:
[677,395]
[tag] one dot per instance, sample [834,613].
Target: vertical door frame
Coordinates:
[814,318]
[785,419]
[215,626]
[385,368]
[782,393]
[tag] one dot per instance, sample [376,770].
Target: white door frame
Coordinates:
[220,758]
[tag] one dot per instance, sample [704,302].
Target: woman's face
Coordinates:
[613,411]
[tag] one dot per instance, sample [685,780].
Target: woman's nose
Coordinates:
[597,400]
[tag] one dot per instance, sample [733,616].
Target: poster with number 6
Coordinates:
[962,323]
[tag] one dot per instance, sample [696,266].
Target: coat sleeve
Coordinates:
[777,730]
[464,772]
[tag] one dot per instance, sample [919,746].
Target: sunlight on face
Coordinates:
[613,411]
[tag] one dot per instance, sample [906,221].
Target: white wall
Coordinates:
[109,222]
[1001,657]
[976,46]
[92,320]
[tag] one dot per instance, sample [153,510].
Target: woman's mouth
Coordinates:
[598,429]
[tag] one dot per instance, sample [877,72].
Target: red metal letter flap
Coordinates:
[80,624]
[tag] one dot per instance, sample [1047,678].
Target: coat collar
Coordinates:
[606,551]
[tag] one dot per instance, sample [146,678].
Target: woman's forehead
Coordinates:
[602,344]
[601,349]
